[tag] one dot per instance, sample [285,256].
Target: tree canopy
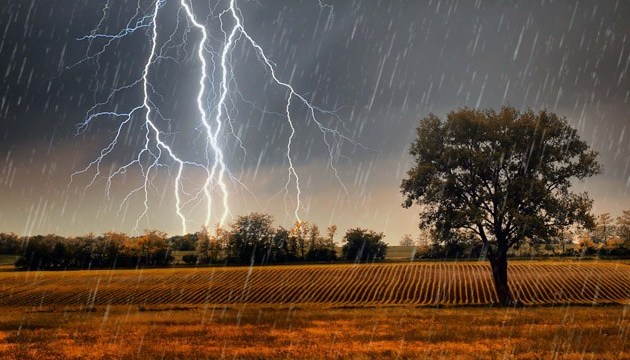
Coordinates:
[502,176]
[361,245]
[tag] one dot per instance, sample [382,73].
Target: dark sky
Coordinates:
[379,65]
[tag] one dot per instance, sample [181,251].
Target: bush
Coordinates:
[586,245]
[615,246]
[363,246]
[190,259]
[322,254]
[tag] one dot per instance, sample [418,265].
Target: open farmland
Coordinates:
[315,312]
[417,284]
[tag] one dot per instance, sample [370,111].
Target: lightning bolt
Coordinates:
[213,107]
[212,135]
[154,146]
[239,29]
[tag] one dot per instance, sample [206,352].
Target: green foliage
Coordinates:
[308,244]
[604,228]
[459,246]
[623,228]
[110,250]
[183,242]
[362,245]
[586,245]
[608,238]
[153,249]
[190,259]
[250,240]
[283,250]
[210,248]
[321,249]
[10,243]
[612,238]
[504,177]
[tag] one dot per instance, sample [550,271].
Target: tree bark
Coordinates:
[499,265]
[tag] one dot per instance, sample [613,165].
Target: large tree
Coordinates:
[504,176]
[251,237]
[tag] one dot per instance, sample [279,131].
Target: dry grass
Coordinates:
[281,332]
[427,284]
[315,312]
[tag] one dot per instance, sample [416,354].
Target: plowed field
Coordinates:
[427,284]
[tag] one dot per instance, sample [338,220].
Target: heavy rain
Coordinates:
[314,179]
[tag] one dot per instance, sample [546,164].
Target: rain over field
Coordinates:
[185,179]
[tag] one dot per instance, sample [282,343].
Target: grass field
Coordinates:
[403,310]
[425,284]
[283,332]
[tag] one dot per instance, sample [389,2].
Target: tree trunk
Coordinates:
[498,263]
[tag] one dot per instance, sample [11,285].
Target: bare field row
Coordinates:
[421,284]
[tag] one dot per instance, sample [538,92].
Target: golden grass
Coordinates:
[315,312]
[429,284]
[312,332]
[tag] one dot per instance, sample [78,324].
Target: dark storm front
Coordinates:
[569,58]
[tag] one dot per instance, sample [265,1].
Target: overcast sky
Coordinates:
[378,66]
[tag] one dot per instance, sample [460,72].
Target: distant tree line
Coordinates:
[249,240]
[610,237]
[430,246]
[252,239]
[110,250]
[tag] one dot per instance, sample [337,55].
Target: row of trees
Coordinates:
[609,237]
[429,246]
[109,250]
[251,239]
